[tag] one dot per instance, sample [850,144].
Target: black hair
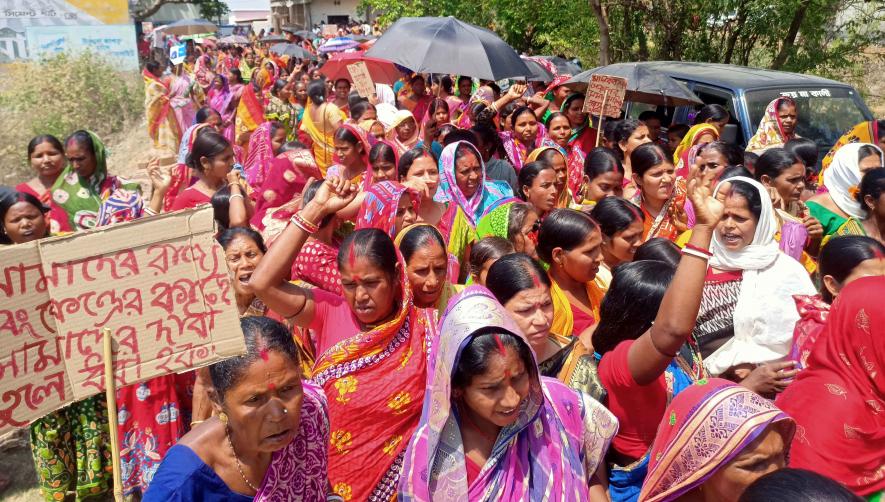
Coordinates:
[237,73]
[750,159]
[659,249]
[868,150]
[382,151]
[465,77]
[460,135]
[506,111]
[463,149]
[556,115]
[353,98]
[316,91]
[358,109]
[631,304]
[646,157]
[435,105]
[207,144]
[622,130]
[221,207]
[278,86]
[519,111]
[527,176]
[489,136]
[514,273]
[650,115]
[774,162]
[309,192]
[680,129]
[784,101]
[418,237]
[345,134]
[714,112]
[44,138]
[261,335]
[409,158]
[546,156]
[797,485]
[602,160]
[563,228]
[446,83]
[842,254]
[516,219]
[82,138]
[804,149]
[872,184]
[732,153]
[749,193]
[291,146]
[416,77]
[6,202]
[571,97]
[488,248]
[474,358]
[372,244]
[229,234]
[733,171]
[203,114]
[152,66]
[615,214]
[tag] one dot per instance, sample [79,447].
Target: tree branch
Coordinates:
[157,4]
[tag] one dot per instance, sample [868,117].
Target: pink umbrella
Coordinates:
[381,70]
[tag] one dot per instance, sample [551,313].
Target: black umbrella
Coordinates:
[644,85]
[274,38]
[563,66]
[292,50]
[447,45]
[360,38]
[537,73]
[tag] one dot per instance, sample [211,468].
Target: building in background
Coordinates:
[307,13]
[30,29]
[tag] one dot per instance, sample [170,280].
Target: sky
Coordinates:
[248,4]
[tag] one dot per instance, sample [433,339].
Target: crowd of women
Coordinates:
[450,292]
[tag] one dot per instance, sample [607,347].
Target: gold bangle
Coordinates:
[196,422]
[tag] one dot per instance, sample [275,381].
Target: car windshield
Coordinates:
[825,113]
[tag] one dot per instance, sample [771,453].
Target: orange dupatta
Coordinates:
[162,126]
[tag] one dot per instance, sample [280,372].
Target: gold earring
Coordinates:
[223,417]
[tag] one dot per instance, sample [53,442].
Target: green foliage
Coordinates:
[61,94]
[213,9]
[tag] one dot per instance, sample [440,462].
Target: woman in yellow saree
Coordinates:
[320,121]
[871,131]
[162,124]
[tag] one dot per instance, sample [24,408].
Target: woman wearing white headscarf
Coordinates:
[841,180]
[747,311]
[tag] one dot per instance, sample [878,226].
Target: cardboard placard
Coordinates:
[362,80]
[608,89]
[330,30]
[160,284]
[177,53]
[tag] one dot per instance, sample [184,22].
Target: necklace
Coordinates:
[237,459]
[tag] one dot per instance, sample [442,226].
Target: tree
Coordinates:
[209,9]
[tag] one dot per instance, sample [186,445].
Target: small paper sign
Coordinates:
[330,30]
[362,80]
[608,89]
[177,53]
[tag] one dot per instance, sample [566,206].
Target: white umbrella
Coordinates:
[190,27]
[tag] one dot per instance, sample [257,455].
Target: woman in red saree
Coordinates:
[838,402]
[47,157]
[661,197]
[371,351]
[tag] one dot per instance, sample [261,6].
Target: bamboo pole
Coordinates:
[601,117]
[110,386]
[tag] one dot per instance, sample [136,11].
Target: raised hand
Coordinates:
[334,195]
[160,176]
[708,209]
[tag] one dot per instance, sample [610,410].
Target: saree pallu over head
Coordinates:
[483,95]
[843,178]
[203,72]
[250,111]
[259,156]
[765,313]
[865,132]
[363,179]
[486,194]
[375,383]
[517,152]
[219,99]
[687,160]
[846,372]
[381,205]
[300,470]
[393,137]
[549,453]
[692,138]
[288,174]
[162,124]
[564,199]
[496,222]
[82,199]
[705,427]
[770,133]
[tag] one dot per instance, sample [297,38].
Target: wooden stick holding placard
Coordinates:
[110,389]
[601,118]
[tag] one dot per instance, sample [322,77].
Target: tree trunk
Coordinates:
[733,37]
[790,40]
[604,35]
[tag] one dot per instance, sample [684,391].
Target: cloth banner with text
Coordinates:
[160,284]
